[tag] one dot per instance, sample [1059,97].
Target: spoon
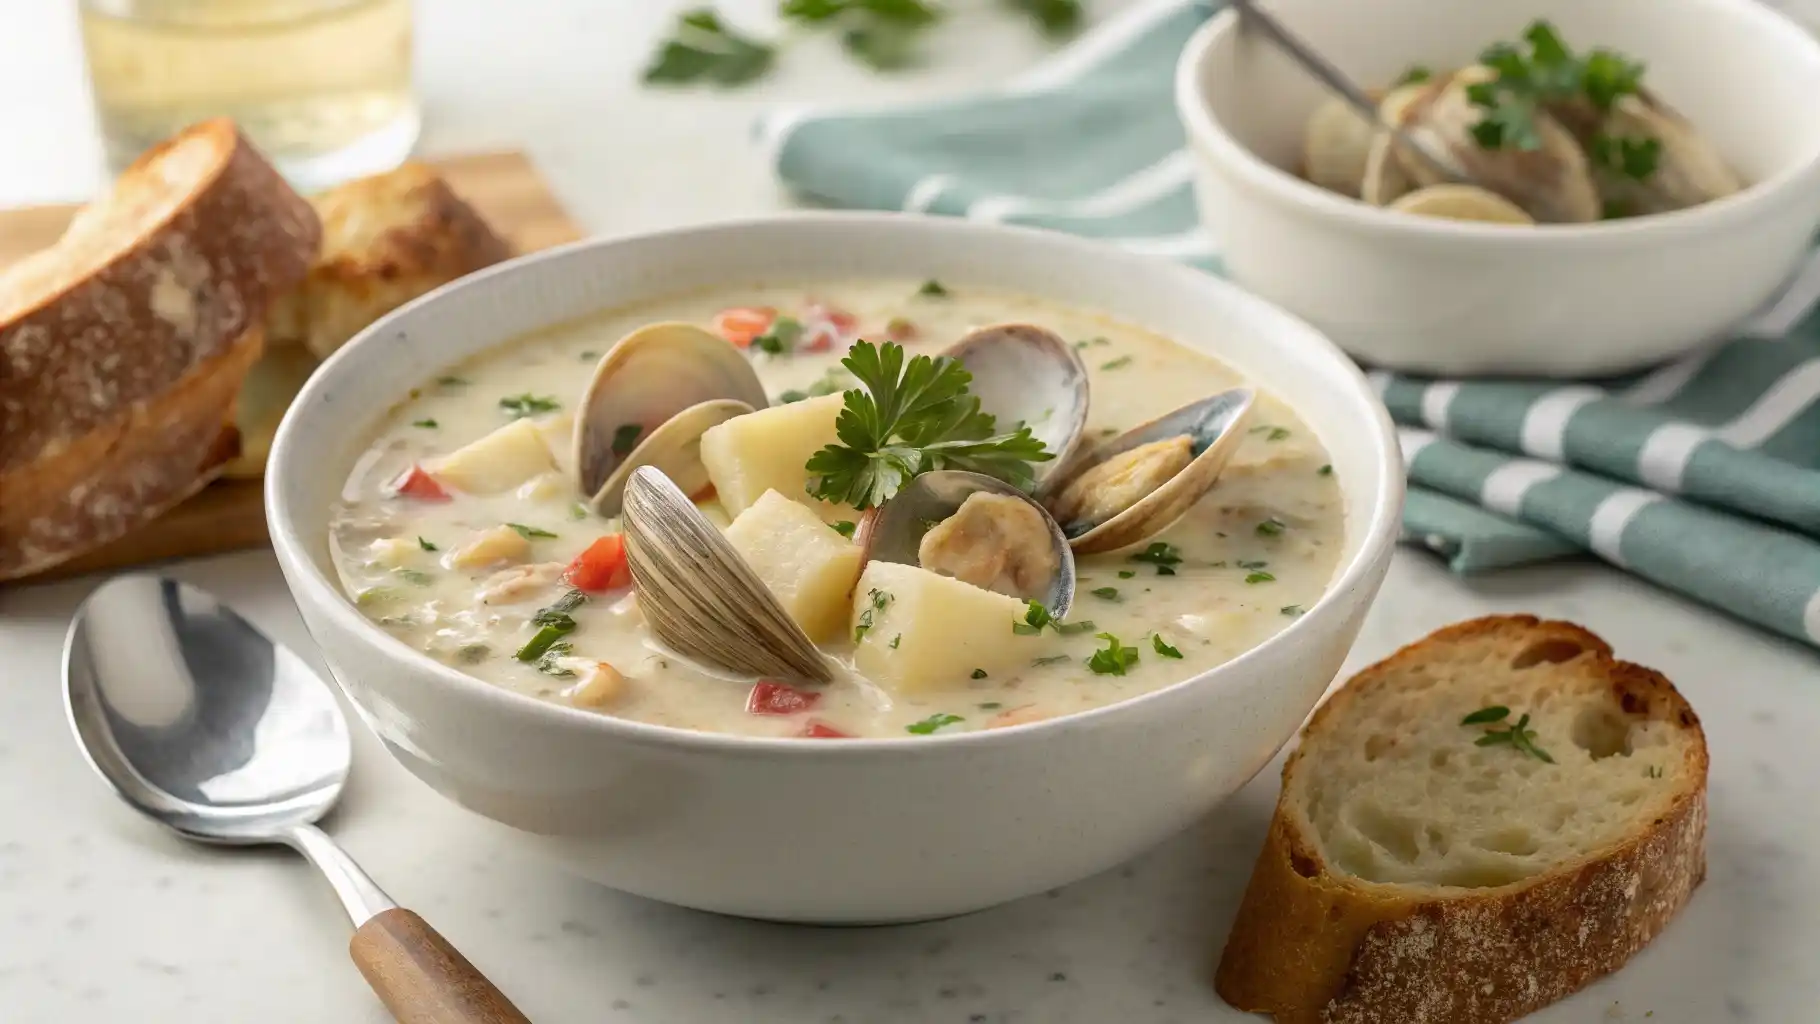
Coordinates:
[1335,79]
[207,726]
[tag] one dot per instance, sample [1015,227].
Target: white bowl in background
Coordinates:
[1450,297]
[856,830]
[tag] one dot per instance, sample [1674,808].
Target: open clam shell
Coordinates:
[1462,202]
[896,531]
[645,379]
[1213,426]
[1689,170]
[700,597]
[1384,179]
[674,448]
[1336,143]
[1026,374]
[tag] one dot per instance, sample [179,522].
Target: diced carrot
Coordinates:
[601,567]
[741,324]
[417,482]
[819,340]
[769,698]
[818,731]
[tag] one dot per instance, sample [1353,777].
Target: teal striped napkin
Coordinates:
[1703,475]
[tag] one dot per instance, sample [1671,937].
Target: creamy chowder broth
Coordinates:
[1241,565]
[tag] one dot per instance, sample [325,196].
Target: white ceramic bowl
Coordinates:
[857,830]
[1451,297]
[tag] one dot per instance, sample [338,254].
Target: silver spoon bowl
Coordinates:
[207,726]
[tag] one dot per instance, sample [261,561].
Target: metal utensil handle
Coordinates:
[1335,79]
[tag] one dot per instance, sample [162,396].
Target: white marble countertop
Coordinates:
[105,918]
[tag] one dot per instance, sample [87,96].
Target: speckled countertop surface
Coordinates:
[104,918]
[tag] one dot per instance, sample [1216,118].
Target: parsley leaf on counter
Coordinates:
[913,417]
[703,48]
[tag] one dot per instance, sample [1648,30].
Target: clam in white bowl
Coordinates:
[848,830]
[1441,296]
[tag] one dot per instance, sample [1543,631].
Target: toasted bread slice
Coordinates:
[386,240]
[142,318]
[1416,872]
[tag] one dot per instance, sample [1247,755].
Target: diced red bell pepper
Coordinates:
[741,324]
[839,319]
[818,731]
[601,567]
[900,329]
[819,340]
[417,482]
[769,698]
[707,493]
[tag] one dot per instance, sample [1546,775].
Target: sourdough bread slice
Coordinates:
[1416,872]
[143,318]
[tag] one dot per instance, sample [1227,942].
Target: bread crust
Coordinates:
[1314,946]
[147,327]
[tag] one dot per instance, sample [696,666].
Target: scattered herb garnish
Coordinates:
[990,705]
[1114,658]
[1126,574]
[1325,470]
[1116,364]
[932,723]
[894,641]
[472,654]
[779,338]
[1416,75]
[1159,554]
[425,424]
[1053,659]
[1519,735]
[880,599]
[1292,610]
[911,418]
[978,673]
[1035,618]
[1654,771]
[1057,18]
[1162,648]
[426,545]
[1106,593]
[588,355]
[702,48]
[625,438]
[791,395]
[1271,527]
[578,511]
[1259,576]
[529,532]
[1549,73]
[553,624]
[1270,432]
[545,638]
[414,577]
[1634,158]
[375,596]
[1251,565]
[932,289]
[528,404]
[1071,628]
[845,527]
[547,662]
[452,382]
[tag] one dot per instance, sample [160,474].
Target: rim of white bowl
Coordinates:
[1204,129]
[1380,523]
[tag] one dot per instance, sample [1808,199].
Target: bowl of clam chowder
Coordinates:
[838,568]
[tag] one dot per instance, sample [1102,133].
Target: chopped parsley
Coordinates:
[978,673]
[414,577]
[527,404]
[1549,73]
[1271,527]
[425,424]
[372,596]
[426,545]
[588,355]
[1291,610]
[1271,432]
[1415,75]
[1519,735]
[1106,593]
[529,532]
[894,641]
[932,723]
[578,511]
[1162,648]
[1164,556]
[1634,158]
[1259,576]
[1114,659]
[451,382]
[1053,659]
[544,639]
[990,705]
[553,624]
[791,395]
[1251,565]
[702,48]
[880,599]
[1326,470]
[472,654]
[625,438]
[1036,617]
[779,338]
[845,527]
[1116,364]
[932,289]
[1126,574]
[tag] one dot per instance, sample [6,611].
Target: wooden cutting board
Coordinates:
[230,515]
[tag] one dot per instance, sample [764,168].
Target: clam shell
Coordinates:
[700,597]
[1335,144]
[1689,170]
[647,377]
[674,448]
[1214,425]
[894,531]
[1384,179]
[1462,202]
[1026,374]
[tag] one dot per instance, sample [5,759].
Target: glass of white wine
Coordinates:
[322,87]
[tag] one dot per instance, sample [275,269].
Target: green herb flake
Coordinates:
[780,338]
[1159,554]
[990,705]
[791,396]
[1485,716]
[1035,618]
[933,289]
[1162,648]
[1415,75]
[578,511]
[1126,574]
[1251,565]
[1114,659]
[529,532]
[1326,470]
[1116,364]
[1106,593]
[894,641]
[932,723]
[1053,659]
[414,577]
[1272,527]
[1634,158]
[1271,432]
[845,527]
[451,382]
[473,654]
[702,48]
[542,640]
[1057,19]
[1259,577]
[374,596]
[625,438]
[879,600]
[425,424]
[1071,628]
[1291,611]
[527,404]
[426,545]
[978,673]
[1519,735]
[588,355]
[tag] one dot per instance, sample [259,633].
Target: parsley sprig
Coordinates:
[1549,73]
[913,417]
[1519,735]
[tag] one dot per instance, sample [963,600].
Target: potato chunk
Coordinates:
[808,566]
[501,460]
[1122,481]
[490,547]
[919,632]
[766,450]
[995,542]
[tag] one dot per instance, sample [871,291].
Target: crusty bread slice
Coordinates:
[1413,875]
[386,240]
[143,317]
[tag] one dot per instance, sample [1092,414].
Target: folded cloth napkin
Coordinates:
[1703,475]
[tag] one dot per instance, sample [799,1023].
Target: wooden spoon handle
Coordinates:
[421,978]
